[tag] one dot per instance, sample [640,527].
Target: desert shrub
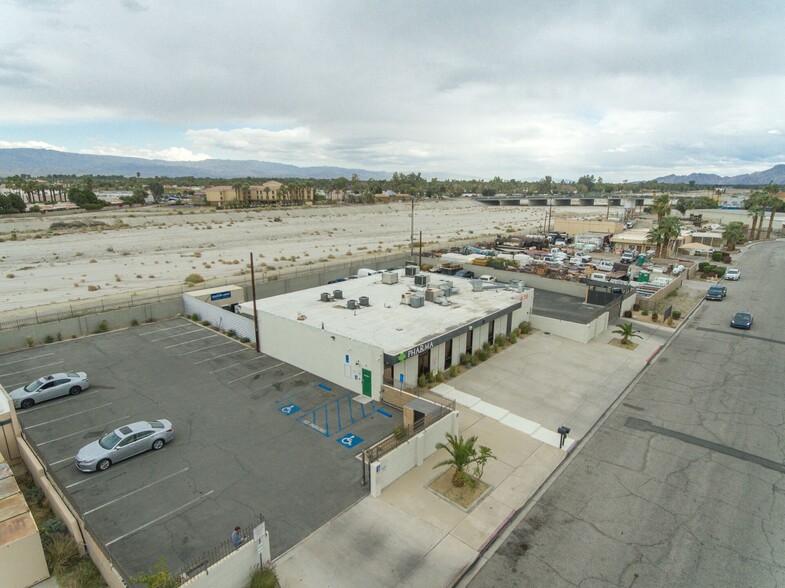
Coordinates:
[512,338]
[49,339]
[92,288]
[438,377]
[194,279]
[134,322]
[717,256]
[636,307]
[30,342]
[627,314]
[206,323]
[232,333]
[655,316]
[33,495]
[466,358]
[61,552]
[422,381]
[263,577]
[482,354]
[645,312]
[103,327]
[53,525]
[673,293]
[676,314]
[82,575]
[719,270]
[525,328]
[10,276]
[500,340]
[244,340]
[453,371]
[195,317]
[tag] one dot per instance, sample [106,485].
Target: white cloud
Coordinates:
[774,132]
[526,89]
[169,154]
[29,145]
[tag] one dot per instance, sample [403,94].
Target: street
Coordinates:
[683,484]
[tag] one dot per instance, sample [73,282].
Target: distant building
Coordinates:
[260,194]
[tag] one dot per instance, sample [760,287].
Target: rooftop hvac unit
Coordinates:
[416,301]
[338,294]
[351,304]
[477,286]
[411,270]
[325,297]
[390,278]
[364,301]
[421,280]
[430,294]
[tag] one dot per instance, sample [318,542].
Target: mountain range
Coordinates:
[775,175]
[44,162]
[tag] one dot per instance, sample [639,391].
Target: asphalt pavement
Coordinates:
[683,484]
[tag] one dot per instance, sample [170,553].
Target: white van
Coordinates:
[603,265]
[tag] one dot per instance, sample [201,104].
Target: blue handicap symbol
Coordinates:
[349,440]
[289,409]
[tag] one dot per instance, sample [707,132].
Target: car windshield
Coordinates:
[33,385]
[109,441]
[743,316]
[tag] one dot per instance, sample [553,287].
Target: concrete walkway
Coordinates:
[410,536]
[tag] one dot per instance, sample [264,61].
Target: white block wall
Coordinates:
[218,317]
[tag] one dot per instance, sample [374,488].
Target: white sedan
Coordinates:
[49,387]
[733,274]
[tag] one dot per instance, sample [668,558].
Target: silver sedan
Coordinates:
[122,443]
[49,387]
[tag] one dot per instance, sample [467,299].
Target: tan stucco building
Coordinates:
[271,192]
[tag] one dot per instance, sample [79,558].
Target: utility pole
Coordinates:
[255,318]
[411,238]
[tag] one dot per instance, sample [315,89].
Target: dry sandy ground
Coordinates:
[155,247]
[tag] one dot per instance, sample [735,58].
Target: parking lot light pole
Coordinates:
[255,319]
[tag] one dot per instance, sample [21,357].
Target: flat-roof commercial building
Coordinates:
[389,327]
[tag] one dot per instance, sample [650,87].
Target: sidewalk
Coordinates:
[410,536]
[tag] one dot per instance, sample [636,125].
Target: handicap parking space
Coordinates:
[235,454]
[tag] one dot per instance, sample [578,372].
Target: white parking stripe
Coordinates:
[217,356]
[67,417]
[161,330]
[205,348]
[236,364]
[171,512]
[254,373]
[62,460]
[80,482]
[191,341]
[28,359]
[33,369]
[277,382]
[82,431]
[175,335]
[119,498]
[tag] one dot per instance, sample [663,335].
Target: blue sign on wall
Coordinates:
[400,378]
[289,409]
[220,295]
[349,440]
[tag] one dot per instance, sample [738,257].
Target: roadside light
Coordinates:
[563,432]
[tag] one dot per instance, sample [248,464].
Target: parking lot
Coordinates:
[253,436]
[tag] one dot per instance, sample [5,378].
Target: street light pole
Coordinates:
[411,238]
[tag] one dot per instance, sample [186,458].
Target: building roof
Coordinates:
[387,323]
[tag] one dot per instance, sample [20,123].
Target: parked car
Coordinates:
[468,274]
[487,278]
[585,257]
[716,292]
[741,320]
[733,274]
[337,281]
[122,443]
[49,387]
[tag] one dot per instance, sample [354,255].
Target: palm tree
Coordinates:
[774,204]
[667,229]
[755,208]
[733,233]
[661,206]
[463,454]
[627,332]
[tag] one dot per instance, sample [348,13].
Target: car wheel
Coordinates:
[103,465]
[27,403]
[158,443]
[74,390]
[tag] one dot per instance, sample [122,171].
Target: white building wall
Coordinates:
[335,358]
[218,317]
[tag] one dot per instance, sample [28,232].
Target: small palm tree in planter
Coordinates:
[464,454]
[627,331]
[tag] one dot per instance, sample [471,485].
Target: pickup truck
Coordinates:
[603,265]
[716,292]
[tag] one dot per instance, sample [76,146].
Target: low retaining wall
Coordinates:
[69,328]
[235,569]
[568,330]
[413,452]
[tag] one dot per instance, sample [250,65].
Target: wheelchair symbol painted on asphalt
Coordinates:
[289,409]
[349,440]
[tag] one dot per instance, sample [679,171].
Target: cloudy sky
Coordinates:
[518,89]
